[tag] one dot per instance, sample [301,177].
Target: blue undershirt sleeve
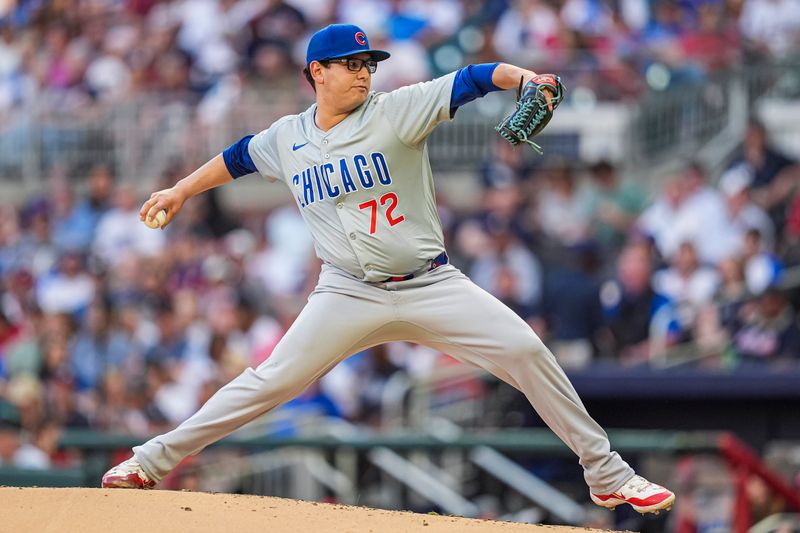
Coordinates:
[237,158]
[472,82]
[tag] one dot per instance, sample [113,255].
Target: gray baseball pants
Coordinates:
[441,309]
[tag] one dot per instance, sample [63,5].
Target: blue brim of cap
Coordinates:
[377,55]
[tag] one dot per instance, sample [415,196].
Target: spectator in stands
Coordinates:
[99,347]
[36,451]
[26,393]
[506,193]
[24,354]
[761,267]
[120,232]
[260,332]
[100,185]
[315,406]
[69,289]
[773,174]
[563,208]
[506,167]
[279,265]
[56,359]
[614,206]
[36,248]
[689,211]
[9,332]
[744,215]
[108,77]
[527,32]
[281,21]
[71,231]
[376,368]
[630,304]
[790,245]
[62,404]
[9,443]
[709,46]
[170,344]
[702,217]
[771,26]
[115,411]
[509,270]
[768,331]
[572,307]
[689,285]
[591,17]
[732,292]
[656,220]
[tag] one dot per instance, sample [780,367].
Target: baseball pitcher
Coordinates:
[356,163]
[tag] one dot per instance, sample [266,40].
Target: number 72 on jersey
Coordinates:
[390,201]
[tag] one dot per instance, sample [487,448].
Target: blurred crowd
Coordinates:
[107,324]
[68,54]
[602,272]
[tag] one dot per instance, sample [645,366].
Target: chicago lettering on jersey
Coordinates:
[360,171]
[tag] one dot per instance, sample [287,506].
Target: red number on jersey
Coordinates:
[373,223]
[392,198]
[389,197]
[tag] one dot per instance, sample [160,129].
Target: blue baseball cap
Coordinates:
[340,40]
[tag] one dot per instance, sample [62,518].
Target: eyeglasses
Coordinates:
[354,64]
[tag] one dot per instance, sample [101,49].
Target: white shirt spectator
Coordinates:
[61,293]
[702,219]
[656,221]
[369,15]
[281,268]
[635,13]
[523,31]
[745,215]
[698,288]
[589,16]
[523,264]
[565,218]
[761,272]
[444,16]
[30,457]
[108,76]
[772,23]
[410,60]
[317,12]
[120,232]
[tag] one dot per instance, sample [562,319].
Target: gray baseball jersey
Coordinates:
[365,187]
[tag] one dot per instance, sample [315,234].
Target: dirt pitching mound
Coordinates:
[121,511]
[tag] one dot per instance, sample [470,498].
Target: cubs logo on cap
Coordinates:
[340,40]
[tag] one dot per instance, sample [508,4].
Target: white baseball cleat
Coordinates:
[127,475]
[644,496]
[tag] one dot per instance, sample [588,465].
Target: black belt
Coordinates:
[438,261]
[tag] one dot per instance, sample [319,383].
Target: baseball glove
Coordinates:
[532,113]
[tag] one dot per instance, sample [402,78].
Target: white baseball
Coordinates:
[157,220]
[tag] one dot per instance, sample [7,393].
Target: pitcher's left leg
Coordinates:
[461,319]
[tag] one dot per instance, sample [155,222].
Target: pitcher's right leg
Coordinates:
[330,327]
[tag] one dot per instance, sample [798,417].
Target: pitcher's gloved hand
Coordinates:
[536,102]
